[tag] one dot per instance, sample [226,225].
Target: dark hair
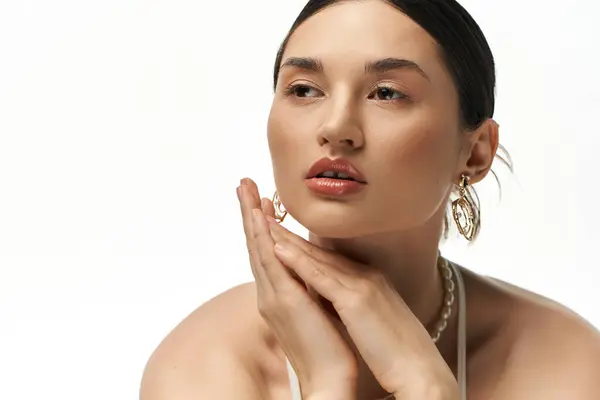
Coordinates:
[463,48]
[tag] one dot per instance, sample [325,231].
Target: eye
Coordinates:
[302,91]
[386,93]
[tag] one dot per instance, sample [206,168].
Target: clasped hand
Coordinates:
[390,339]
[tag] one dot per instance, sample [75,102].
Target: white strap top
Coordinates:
[461,343]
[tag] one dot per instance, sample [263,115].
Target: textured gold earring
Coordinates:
[280,211]
[464,211]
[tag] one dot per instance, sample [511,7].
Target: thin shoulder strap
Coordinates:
[294,384]
[461,345]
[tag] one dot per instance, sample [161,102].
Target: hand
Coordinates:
[325,365]
[391,340]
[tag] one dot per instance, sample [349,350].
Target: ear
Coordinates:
[479,150]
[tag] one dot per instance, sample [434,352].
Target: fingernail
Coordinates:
[275,234]
[273,228]
[237,191]
[244,181]
[282,250]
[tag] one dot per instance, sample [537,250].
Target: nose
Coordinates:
[341,129]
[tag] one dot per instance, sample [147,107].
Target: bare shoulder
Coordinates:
[210,354]
[555,353]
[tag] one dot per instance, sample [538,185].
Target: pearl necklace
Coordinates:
[448,274]
[449,289]
[449,297]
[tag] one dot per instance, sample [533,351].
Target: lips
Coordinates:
[339,168]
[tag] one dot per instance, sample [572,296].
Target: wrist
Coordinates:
[431,392]
[339,394]
[440,389]
[331,396]
[338,386]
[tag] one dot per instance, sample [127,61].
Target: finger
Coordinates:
[267,207]
[251,185]
[246,207]
[317,274]
[280,234]
[251,201]
[276,273]
[269,211]
[248,201]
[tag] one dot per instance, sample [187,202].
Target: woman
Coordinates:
[382,116]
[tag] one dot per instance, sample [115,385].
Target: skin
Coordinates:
[371,256]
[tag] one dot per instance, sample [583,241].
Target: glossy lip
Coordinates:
[331,187]
[337,165]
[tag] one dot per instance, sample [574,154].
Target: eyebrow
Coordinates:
[378,66]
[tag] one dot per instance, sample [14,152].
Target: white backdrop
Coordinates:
[125,126]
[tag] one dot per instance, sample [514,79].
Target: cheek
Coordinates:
[416,163]
[421,150]
[277,136]
[285,135]
[417,144]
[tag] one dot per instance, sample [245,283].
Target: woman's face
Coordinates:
[396,121]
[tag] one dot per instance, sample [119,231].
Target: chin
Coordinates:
[332,220]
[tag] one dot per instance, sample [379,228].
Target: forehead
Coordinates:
[349,33]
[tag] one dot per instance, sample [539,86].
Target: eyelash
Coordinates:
[290,90]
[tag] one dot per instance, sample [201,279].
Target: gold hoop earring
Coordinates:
[464,211]
[280,211]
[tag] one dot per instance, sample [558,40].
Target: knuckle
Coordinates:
[375,278]
[262,258]
[258,256]
[354,301]
[362,292]
[311,251]
[291,299]
[253,253]
[255,234]
[316,269]
[276,306]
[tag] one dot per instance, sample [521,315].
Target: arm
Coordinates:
[200,358]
